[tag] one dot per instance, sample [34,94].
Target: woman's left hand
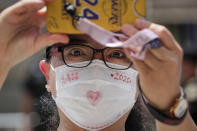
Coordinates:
[160,71]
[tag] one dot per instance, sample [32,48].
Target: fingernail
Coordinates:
[125,27]
[142,23]
[128,29]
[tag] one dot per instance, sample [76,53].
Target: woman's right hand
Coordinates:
[20,32]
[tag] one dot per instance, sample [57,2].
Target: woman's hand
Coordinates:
[20,35]
[159,72]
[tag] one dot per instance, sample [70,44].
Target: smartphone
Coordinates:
[109,14]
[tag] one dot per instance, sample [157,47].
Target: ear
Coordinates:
[45,68]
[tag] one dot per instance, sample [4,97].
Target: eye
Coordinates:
[76,52]
[117,54]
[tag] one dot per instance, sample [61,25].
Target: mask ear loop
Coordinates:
[135,10]
[73,12]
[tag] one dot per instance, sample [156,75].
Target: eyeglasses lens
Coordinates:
[81,56]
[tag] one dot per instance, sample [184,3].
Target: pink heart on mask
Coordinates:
[93,97]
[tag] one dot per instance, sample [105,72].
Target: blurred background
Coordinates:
[25,83]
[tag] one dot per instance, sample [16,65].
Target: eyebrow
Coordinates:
[70,42]
[78,40]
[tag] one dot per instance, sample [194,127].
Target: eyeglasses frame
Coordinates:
[61,50]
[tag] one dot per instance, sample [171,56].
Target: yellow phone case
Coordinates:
[109,14]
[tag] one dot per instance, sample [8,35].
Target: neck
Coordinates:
[67,125]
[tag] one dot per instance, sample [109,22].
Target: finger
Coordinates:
[161,53]
[21,10]
[27,6]
[40,18]
[138,64]
[151,61]
[46,39]
[165,36]
[142,23]
[129,30]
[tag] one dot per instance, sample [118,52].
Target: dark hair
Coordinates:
[139,118]
[47,52]
[47,110]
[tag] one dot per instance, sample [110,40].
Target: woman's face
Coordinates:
[115,56]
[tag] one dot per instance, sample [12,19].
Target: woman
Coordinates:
[159,73]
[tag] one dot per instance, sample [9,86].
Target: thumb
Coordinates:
[46,39]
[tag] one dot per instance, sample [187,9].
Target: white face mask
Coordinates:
[96,96]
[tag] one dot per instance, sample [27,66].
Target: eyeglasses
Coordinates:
[114,58]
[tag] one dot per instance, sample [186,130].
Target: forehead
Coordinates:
[85,39]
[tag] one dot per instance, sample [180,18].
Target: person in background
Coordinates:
[159,73]
[189,82]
